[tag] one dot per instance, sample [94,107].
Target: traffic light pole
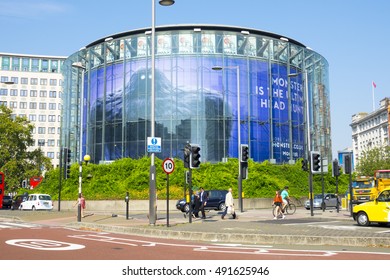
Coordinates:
[239,180]
[308,143]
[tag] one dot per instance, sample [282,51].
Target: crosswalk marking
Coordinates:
[5,225]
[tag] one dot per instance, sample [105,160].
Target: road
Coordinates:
[30,241]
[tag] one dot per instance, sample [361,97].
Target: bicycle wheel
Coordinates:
[291,208]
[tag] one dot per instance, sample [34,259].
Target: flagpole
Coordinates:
[373,96]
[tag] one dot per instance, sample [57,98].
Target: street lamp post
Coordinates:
[152,171]
[310,179]
[218,68]
[79,65]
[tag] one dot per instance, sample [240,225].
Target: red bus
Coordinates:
[2,187]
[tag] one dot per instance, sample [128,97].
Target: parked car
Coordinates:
[376,211]
[330,200]
[37,202]
[215,201]
[7,201]
[17,200]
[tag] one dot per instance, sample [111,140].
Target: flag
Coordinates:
[373,84]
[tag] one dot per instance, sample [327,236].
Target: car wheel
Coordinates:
[222,207]
[362,219]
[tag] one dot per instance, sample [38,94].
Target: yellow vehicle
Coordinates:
[376,211]
[382,180]
[367,188]
[363,190]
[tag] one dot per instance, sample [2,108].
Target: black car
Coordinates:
[17,200]
[215,201]
[7,201]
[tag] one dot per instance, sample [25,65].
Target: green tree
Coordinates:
[373,159]
[16,161]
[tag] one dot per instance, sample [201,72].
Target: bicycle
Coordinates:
[289,209]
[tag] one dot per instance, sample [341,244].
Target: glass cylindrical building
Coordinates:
[261,82]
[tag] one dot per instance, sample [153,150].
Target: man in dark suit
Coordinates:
[203,202]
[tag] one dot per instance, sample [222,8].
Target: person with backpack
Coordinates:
[278,202]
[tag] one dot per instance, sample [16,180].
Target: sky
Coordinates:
[352,35]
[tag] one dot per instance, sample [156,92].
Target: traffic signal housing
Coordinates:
[347,164]
[315,162]
[305,165]
[244,152]
[336,168]
[244,170]
[195,156]
[67,159]
[187,154]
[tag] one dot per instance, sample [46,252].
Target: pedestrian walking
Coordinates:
[82,203]
[195,213]
[203,202]
[229,205]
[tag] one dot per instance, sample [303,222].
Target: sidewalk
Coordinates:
[254,226]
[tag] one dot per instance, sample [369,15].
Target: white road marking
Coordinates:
[243,249]
[17,225]
[44,244]
[313,223]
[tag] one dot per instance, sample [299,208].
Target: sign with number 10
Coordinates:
[168,165]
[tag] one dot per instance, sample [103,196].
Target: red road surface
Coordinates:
[56,243]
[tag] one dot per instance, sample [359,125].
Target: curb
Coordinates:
[241,238]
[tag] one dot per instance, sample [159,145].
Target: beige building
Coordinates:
[31,85]
[370,130]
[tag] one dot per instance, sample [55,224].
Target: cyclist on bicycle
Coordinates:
[278,205]
[285,197]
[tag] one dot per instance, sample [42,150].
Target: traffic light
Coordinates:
[244,170]
[304,165]
[347,164]
[315,163]
[194,156]
[244,153]
[187,153]
[188,177]
[67,159]
[336,168]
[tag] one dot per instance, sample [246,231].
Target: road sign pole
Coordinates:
[167,200]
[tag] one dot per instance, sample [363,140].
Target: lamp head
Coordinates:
[166,2]
[87,158]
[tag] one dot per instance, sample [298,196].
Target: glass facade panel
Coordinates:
[193,102]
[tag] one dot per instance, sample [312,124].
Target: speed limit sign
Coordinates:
[168,165]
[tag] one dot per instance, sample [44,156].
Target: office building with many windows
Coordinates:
[31,85]
[260,92]
[370,130]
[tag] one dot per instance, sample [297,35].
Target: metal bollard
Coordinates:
[127,198]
